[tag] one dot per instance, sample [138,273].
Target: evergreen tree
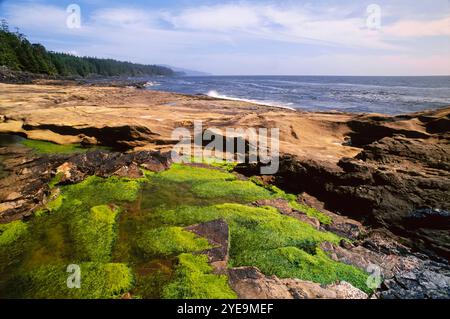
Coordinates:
[17,53]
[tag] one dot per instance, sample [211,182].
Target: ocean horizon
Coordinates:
[371,94]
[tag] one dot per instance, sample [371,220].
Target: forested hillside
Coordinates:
[17,53]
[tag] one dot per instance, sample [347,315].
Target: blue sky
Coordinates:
[321,37]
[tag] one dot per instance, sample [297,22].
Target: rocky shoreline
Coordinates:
[383,180]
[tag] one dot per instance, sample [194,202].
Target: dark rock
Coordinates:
[26,186]
[217,233]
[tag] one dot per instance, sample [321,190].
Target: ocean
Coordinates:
[387,95]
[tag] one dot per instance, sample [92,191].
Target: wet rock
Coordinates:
[105,164]
[26,187]
[403,274]
[217,233]
[425,282]
[250,283]
[340,225]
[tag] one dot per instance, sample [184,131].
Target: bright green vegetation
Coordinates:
[311,212]
[168,241]
[10,233]
[78,227]
[215,162]
[244,190]
[17,53]
[296,262]
[98,281]
[128,236]
[12,241]
[93,233]
[43,147]
[182,173]
[194,280]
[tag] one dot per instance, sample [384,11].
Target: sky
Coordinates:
[253,37]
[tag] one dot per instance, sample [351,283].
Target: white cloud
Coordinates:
[215,38]
[413,29]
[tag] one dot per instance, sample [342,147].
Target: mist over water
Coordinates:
[388,95]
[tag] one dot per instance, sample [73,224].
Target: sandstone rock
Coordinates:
[250,283]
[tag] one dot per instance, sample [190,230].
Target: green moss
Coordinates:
[309,211]
[182,173]
[171,241]
[98,281]
[258,235]
[215,162]
[42,147]
[55,180]
[240,190]
[13,239]
[93,233]
[293,262]
[95,191]
[312,212]
[84,228]
[251,227]
[55,204]
[193,279]
[12,232]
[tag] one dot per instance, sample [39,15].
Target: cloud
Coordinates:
[419,28]
[247,38]
[37,16]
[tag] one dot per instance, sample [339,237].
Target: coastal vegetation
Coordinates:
[129,237]
[19,54]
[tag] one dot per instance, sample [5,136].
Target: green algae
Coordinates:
[12,242]
[43,147]
[97,281]
[138,224]
[244,191]
[294,262]
[261,236]
[184,173]
[168,241]
[93,233]
[312,212]
[193,279]
[12,232]
[292,199]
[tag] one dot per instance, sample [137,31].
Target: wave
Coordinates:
[217,95]
[151,84]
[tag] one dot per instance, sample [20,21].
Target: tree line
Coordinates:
[18,54]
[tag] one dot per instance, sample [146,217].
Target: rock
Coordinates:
[399,180]
[340,225]
[403,274]
[87,140]
[27,185]
[281,204]
[250,283]
[217,233]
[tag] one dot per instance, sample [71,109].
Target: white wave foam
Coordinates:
[217,95]
[150,84]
